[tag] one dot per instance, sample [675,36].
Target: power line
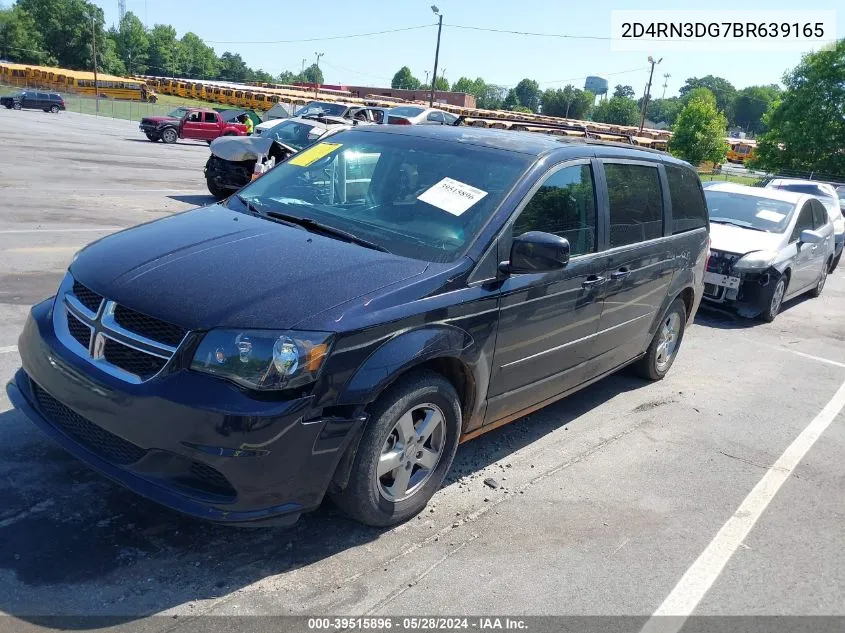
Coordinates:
[621,72]
[532,34]
[356,72]
[323,39]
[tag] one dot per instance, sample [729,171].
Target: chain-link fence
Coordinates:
[111,108]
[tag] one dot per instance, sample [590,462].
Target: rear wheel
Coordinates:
[407,449]
[776,300]
[169,136]
[835,262]
[817,289]
[664,346]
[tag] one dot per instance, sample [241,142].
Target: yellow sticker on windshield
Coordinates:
[313,154]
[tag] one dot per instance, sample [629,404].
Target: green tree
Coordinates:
[511,100]
[404,79]
[662,110]
[311,75]
[20,39]
[699,132]
[132,43]
[568,102]
[198,59]
[492,98]
[751,104]
[66,26]
[286,77]
[108,59]
[522,108]
[163,53]
[624,91]
[527,93]
[721,88]
[232,67]
[617,111]
[807,125]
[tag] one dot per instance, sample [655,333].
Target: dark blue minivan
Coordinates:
[342,323]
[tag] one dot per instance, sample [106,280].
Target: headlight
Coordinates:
[757,260]
[263,359]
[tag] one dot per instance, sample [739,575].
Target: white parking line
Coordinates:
[811,357]
[9,350]
[698,579]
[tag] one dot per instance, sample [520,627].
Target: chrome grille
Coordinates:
[122,342]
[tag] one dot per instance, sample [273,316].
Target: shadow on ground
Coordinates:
[65,528]
[727,319]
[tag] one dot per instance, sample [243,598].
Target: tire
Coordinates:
[664,347]
[819,287]
[835,263]
[214,190]
[169,135]
[54,109]
[375,500]
[17,105]
[153,137]
[776,300]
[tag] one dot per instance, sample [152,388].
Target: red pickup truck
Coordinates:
[196,123]
[207,125]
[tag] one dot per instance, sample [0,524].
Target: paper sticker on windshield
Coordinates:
[313,154]
[452,196]
[771,216]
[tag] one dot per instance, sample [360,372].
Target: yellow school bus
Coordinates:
[741,151]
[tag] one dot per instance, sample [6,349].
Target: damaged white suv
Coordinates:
[766,246]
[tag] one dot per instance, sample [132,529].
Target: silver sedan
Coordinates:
[767,246]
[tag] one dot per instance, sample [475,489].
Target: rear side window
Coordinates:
[565,204]
[210,117]
[636,203]
[689,210]
[819,214]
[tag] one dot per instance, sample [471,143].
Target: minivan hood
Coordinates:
[735,239]
[214,267]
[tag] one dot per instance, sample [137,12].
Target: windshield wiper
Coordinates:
[742,226]
[318,227]
[249,204]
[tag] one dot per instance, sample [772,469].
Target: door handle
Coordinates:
[620,274]
[592,280]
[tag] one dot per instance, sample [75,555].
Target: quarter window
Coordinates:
[636,203]
[565,205]
[819,214]
[689,210]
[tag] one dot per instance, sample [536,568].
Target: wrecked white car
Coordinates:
[767,246]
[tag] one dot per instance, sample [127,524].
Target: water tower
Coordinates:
[596,85]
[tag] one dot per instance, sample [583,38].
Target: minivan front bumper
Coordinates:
[191,442]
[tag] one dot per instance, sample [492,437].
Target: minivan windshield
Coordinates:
[753,212]
[417,197]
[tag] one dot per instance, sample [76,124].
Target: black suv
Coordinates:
[349,317]
[47,101]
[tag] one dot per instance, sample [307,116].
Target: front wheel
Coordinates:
[152,137]
[664,346]
[169,136]
[775,301]
[54,109]
[17,105]
[406,451]
[214,190]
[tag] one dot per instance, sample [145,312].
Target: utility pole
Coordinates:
[648,90]
[665,83]
[317,83]
[436,53]
[94,56]
[303,66]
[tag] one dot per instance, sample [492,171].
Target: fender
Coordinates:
[399,354]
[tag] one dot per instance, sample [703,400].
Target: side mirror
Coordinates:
[811,237]
[536,252]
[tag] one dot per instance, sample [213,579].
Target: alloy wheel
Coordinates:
[670,331]
[411,452]
[777,297]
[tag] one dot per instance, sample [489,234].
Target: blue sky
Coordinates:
[498,58]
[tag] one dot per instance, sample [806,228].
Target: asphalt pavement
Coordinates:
[717,491]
